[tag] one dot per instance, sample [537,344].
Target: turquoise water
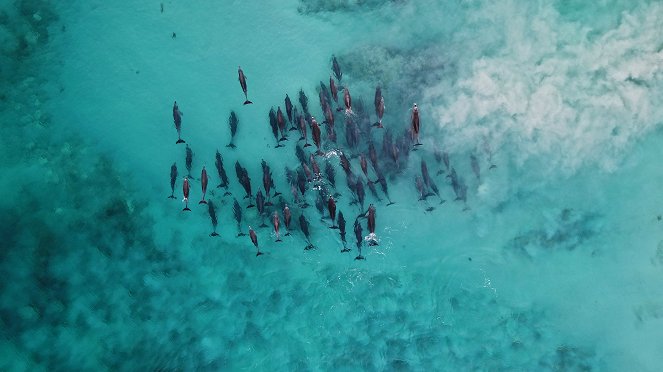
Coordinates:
[555,264]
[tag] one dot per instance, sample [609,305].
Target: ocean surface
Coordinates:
[542,248]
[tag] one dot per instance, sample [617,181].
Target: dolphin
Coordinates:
[177,118]
[242,82]
[212,216]
[173,178]
[232,122]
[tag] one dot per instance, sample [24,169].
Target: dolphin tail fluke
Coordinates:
[214,234]
[492,166]
[186,209]
[339,109]
[287,234]
[307,145]
[390,203]
[333,227]
[292,128]
[283,139]
[202,202]
[277,194]
[344,250]
[227,193]
[240,234]
[279,240]
[172,196]
[268,204]
[250,206]
[278,145]
[360,257]
[259,254]
[247,102]
[179,141]
[231,145]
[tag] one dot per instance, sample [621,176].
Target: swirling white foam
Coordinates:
[552,90]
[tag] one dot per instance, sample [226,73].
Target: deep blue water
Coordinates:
[554,260]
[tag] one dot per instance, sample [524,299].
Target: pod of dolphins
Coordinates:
[308,178]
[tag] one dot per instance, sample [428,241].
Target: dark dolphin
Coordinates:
[260,204]
[276,223]
[415,125]
[341,227]
[245,181]
[185,192]
[173,177]
[373,156]
[430,184]
[222,172]
[331,207]
[371,188]
[287,216]
[280,120]
[359,235]
[177,118]
[330,174]
[329,120]
[288,108]
[378,97]
[475,167]
[303,225]
[203,184]
[242,82]
[268,182]
[303,101]
[347,100]
[302,129]
[383,186]
[254,240]
[317,174]
[189,160]
[232,122]
[274,124]
[419,183]
[237,212]
[333,89]
[363,164]
[345,164]
[371,219]
[315,132]
[360,192]
[212,216]
[301,155]
[337,69]
[379,106]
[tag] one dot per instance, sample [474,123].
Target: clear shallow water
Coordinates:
[102,271]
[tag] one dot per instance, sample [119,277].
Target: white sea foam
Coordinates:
[552,93]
